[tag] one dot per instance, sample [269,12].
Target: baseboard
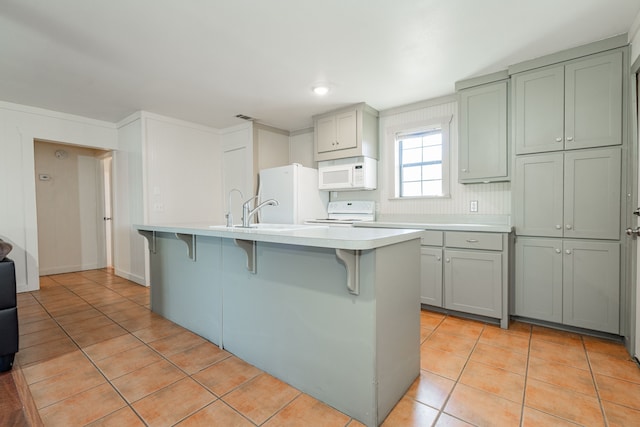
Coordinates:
[133,277]
[68,269]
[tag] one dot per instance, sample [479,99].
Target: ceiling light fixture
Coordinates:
[321,90]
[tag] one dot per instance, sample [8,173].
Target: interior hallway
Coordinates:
[92,353]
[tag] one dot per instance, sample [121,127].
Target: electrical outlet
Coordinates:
[473,206]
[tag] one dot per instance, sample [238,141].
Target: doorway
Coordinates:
[73,193]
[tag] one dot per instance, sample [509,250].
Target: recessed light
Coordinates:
[321,90]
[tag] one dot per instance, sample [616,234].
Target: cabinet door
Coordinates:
[538,287]
[483,133]
[346,130]
[325,133]
[539,110]
[593,98]
[431,276]
[539,195]
[591,285]
[473,282]
[592,193]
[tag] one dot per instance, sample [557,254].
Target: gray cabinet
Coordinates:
[483,148]
[348,132]
[431,275]
[574,194]
[570,106]
[473,282]
[574,282]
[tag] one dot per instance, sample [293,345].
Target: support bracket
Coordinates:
[151,239]
[249,246]
[190,240]
[351,260]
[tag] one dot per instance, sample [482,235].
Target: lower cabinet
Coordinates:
[431,276]
[466,272]
[574,282]
[473,282]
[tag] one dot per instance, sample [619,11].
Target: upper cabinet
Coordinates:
[483,155]
[570,106]
[348,132]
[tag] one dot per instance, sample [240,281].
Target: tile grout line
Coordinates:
[526,377]
[595,383]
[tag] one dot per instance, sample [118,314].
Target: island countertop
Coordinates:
[303,235]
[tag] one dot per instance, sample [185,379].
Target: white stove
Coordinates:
[346,213]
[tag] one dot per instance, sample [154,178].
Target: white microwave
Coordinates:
[358,173]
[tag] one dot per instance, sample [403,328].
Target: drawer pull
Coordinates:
[472,240]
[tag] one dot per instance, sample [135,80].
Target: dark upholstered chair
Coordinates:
[8,313]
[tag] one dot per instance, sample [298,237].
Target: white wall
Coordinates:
[69,207]
[493,199]
[634,39]
[19,127]
[301,148]
[182,179]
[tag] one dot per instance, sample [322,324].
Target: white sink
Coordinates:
[268,227]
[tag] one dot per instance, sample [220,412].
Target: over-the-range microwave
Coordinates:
[356,173]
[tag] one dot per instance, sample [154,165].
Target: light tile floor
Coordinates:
[93,353]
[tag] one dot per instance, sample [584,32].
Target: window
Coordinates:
[422,160]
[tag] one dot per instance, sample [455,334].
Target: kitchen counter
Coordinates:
[495,228]
[305,235]
[333,311]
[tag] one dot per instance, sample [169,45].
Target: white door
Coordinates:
[637,332]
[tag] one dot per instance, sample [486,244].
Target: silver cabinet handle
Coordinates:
[472,240]
[558,251]
[438,258]
[558,139]
[558,227]
[448,259]
[568,251]
[464,170]
[569,227]
[569,138]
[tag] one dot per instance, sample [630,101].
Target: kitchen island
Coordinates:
[333,311]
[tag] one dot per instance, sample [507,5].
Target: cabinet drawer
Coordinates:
[460,239]
[432,238]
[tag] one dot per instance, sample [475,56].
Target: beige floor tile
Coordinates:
[91,337]
[409,413]
[144,381]
[54,366]
[495,336]
[534,418]
[199,357]
[556,336]
[500,357]
[561,375]
[84,407]
[127,361]
[64,385]
[441,362]
[217,414]
[500,382]
[176,343]
[612,366]
[482,408]
[80,326]
[618,391]
[446,420]
[124,417]
[41,325]
[41,337]
[173,403]
[468,329]
[454,344]
[559,353]
[429,319]
[620,416]
[78,316]
[261,398]
[307,411]
[45,351]
[608,347]
[563,403]
[226,375]
[430,389]
[112,346]
[158,330]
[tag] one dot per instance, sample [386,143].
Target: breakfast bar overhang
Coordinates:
[332,311]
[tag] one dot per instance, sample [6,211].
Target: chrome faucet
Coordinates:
[247,212]
[229,215]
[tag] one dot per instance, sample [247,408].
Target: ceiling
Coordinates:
[207,60]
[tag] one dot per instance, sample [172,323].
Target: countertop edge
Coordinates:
[493,228]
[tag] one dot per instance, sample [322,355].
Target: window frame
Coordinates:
[442,123]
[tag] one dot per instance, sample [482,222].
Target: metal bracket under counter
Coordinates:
[351,260]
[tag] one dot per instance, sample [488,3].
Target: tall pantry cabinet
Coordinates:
[567,134]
